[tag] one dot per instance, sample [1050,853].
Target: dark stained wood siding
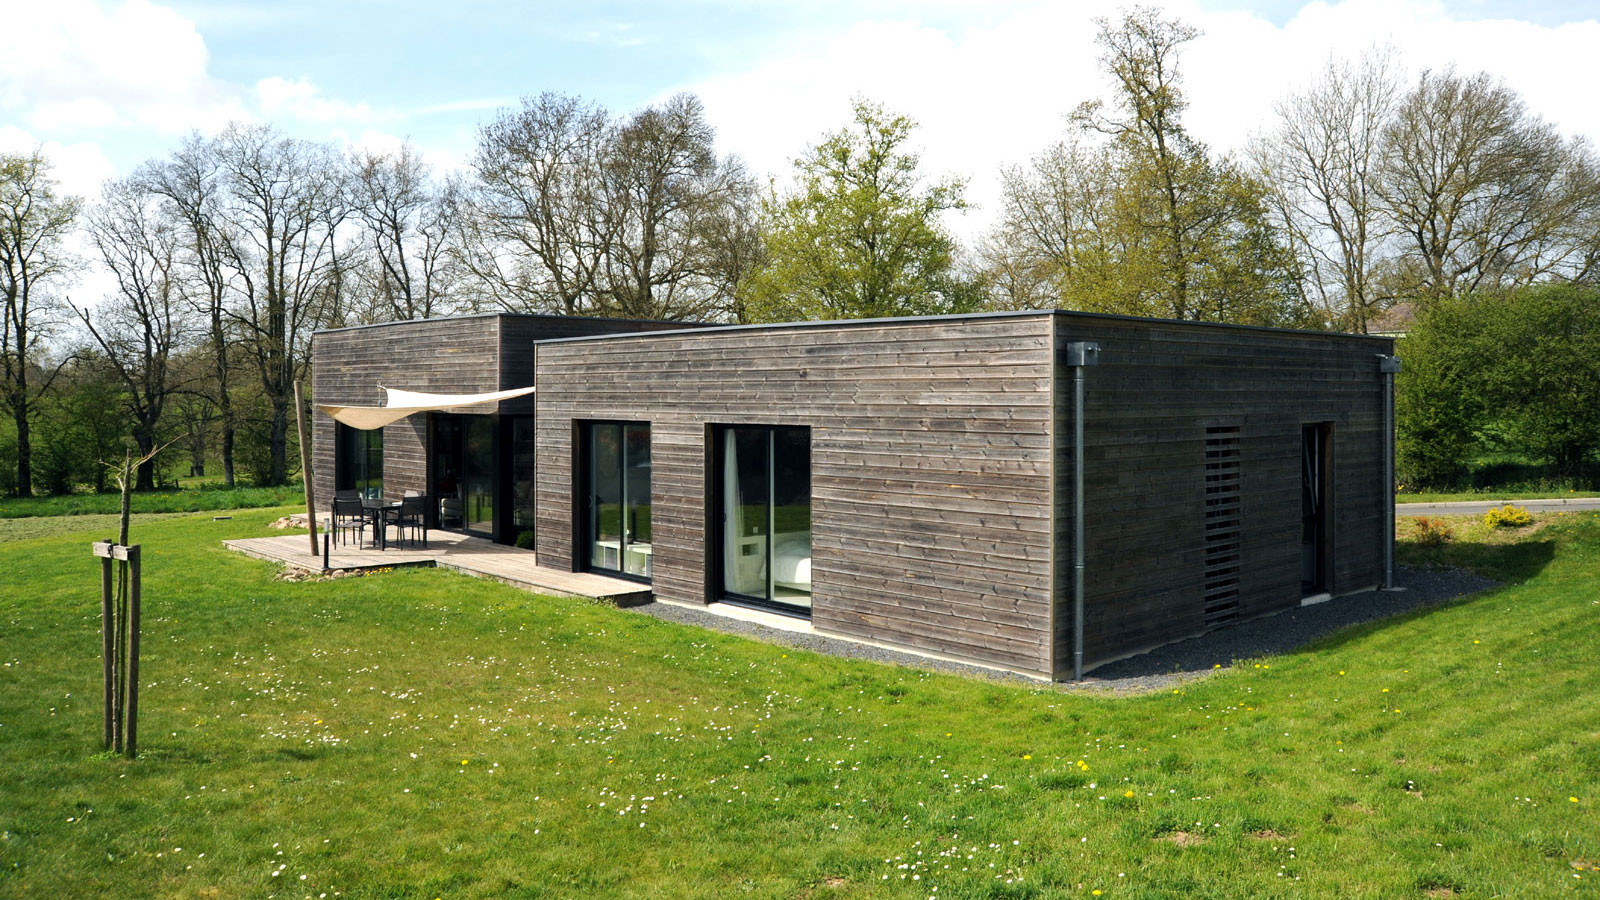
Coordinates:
[461,355]
[931,466]
[519,333]
[942,458]
[456,356]
[1157,388]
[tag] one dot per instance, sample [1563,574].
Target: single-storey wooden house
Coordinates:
[1041,492]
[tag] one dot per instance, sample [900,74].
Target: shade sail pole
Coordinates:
[305,467]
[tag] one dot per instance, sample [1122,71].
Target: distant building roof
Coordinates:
[1396,321]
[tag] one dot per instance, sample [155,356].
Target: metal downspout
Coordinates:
[1079,355]
[1388,365]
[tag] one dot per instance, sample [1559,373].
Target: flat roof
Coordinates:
[513,315]
[957,317]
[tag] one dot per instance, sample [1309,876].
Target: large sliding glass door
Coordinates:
[523,459]
[763,479]
[477,477]
[358,460]
[464,472]
[617,496]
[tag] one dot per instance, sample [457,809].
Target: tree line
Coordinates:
[1364,190]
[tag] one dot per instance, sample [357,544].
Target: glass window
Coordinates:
[477,478]
[358,460]
[764,483]
[522,483]
[618,498]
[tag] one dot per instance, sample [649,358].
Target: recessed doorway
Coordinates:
[1316,508]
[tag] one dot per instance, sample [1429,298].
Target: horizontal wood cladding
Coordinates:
[462,355]
[351,366]
[519,333]
[1157,388]
[931,463]
[942,460]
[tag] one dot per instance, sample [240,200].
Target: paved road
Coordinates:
[1477,507]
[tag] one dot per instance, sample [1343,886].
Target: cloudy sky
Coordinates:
[106,85]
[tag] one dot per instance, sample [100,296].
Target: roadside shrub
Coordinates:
[1508,516]
[1431,532]
[1505,373]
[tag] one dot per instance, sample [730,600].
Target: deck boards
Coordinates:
[447,550]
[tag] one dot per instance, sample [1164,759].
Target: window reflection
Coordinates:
[619,498]
[765,487]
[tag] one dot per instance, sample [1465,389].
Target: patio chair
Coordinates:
[450,508]
[347,494]
[349,516]
[412,513]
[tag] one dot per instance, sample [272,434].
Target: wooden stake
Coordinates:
[133,656]
[305,468]
[107,642]
[120,706]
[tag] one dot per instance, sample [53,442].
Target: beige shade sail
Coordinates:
[399,404]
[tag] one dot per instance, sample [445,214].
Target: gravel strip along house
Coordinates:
[910,483]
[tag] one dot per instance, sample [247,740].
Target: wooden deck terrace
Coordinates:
[449,550]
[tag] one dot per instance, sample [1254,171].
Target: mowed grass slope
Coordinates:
[418,734]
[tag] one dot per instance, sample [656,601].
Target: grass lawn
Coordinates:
[418,734]
[186,500]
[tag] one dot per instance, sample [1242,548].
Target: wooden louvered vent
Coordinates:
[1222,525]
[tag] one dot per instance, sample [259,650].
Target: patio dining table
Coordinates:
[377,510]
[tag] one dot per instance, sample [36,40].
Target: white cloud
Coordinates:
[303,100]
[998,92]
[75,66]
[79,168]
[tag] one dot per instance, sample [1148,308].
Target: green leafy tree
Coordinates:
[1514,371]
[1542,371]
[1138,218]
[858,235]
[82,425]
[1438,395]
[35,221]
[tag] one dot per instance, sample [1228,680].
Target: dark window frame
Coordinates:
[583,500]
[1318,500]
[717,519]
[353,455]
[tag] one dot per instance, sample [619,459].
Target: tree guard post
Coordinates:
[305,467]
[119,643]
[107,629]
[133,652]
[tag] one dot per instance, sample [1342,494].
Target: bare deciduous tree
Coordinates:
[1054,238]
[1320,162]
[139,328]
[285,201]
[574,214]
[1483,191]
[668,195]
[406,219]
[733,240]
[190,184]
[538,234]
